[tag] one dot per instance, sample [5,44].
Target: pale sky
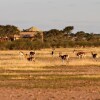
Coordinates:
[84,15]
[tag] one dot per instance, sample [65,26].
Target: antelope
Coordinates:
[28,57]
[79,53]
[94,55]
[52,53]
[21,54]
[31,54]
[64,57]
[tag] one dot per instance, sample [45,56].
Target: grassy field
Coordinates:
[49,71]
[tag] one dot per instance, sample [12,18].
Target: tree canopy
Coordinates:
[51,38]
[8,30]
[68,29]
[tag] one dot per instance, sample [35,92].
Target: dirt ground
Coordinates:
[49,94]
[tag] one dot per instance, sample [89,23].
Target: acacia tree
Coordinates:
[68,29]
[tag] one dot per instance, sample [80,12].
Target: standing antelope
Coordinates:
[21,54]
[79,54]
[31,54]
[64,57]
[52,52]
[94,55]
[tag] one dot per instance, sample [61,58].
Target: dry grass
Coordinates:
[48,69]
[44,58]
[49,72]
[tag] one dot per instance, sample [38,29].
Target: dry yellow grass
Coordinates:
[11,59]
[50,72]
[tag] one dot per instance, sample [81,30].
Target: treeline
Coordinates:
[8,30]
[52,38]
[65,38]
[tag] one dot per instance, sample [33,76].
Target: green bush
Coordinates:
[22,44]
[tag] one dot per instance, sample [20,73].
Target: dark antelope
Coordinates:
[64,57]
[94,55]
[32,53]
[53,51]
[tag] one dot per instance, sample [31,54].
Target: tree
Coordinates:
[68,29]
[53,32]
[80,35]
[8,30]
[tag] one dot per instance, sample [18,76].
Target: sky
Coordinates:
[84,15]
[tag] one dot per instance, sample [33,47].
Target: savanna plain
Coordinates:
[50,78]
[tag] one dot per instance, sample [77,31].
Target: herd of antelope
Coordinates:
[78,53]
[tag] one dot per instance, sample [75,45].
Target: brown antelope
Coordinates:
[26,56]
[79,54]
[64,57]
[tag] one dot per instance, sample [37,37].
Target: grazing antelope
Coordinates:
[29,58]
[94,55]
[64,57]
